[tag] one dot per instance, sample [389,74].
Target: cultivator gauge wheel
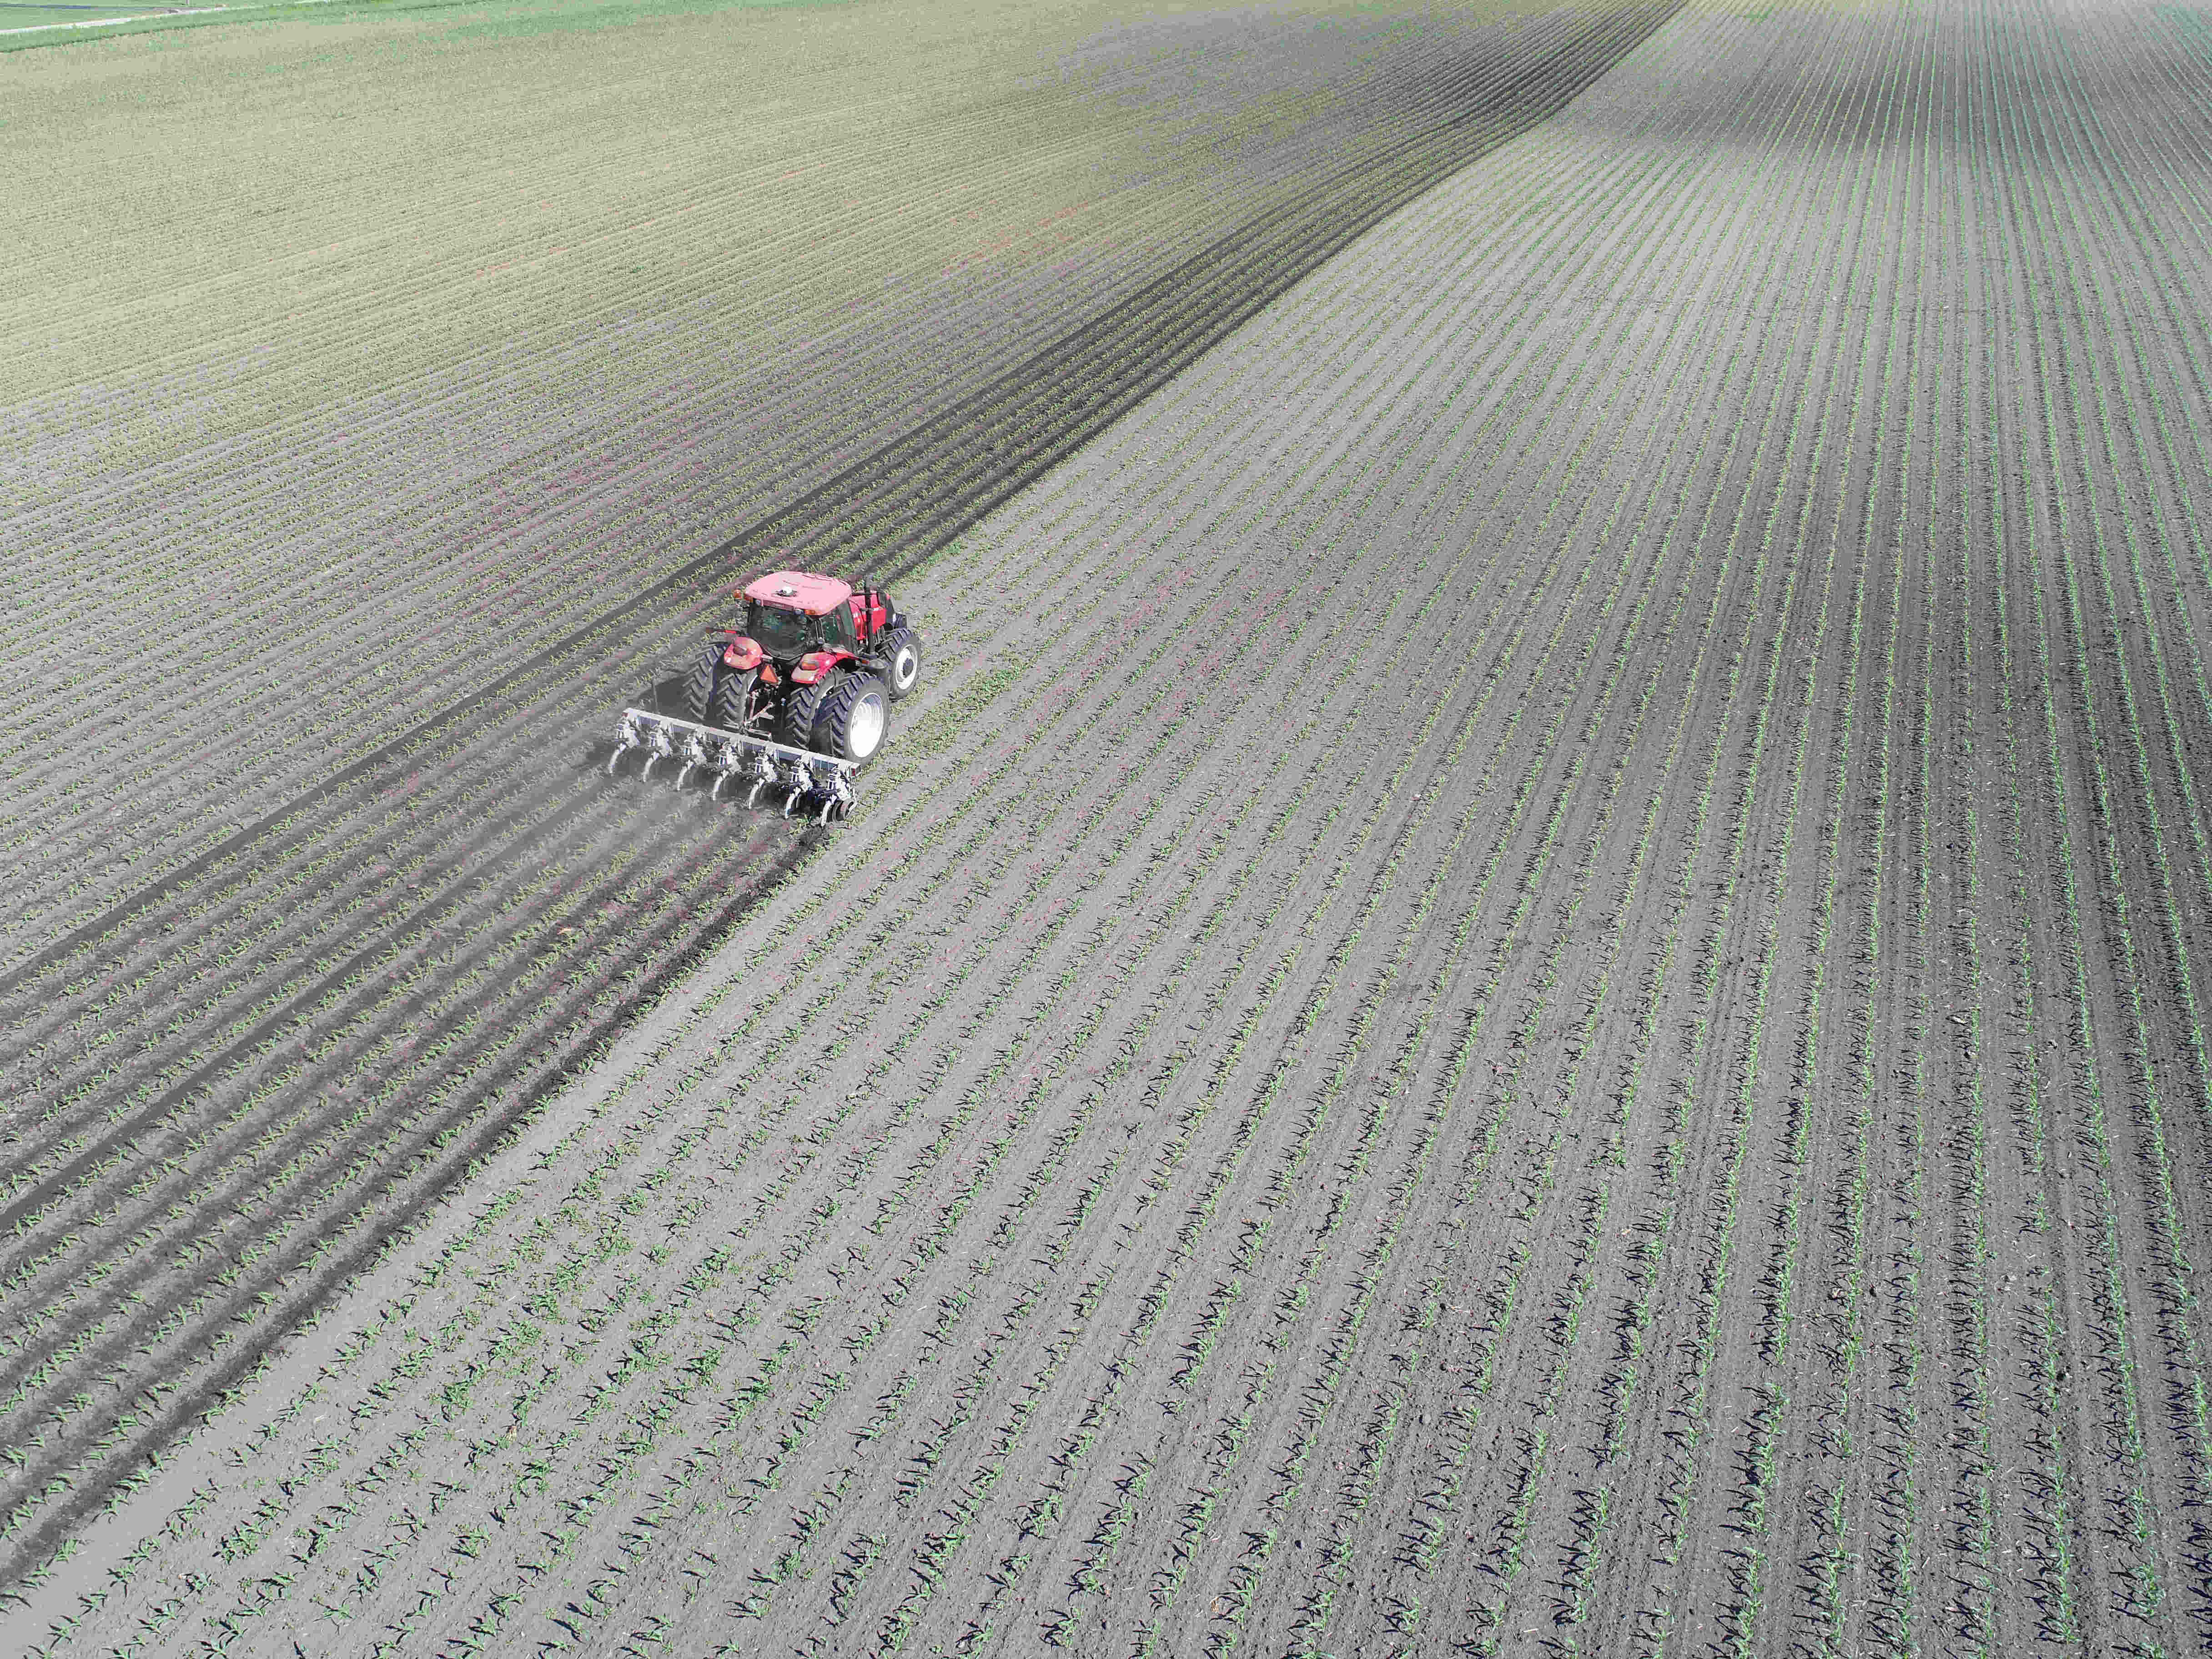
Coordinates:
[821,784]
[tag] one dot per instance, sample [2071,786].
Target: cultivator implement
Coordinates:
[823,784]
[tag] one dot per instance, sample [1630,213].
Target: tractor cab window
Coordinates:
[837,627]
[781,633]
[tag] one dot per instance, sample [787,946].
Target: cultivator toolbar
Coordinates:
[822,782]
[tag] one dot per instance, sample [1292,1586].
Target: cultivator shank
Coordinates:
[822,783]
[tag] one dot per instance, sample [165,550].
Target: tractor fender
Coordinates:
[819,665]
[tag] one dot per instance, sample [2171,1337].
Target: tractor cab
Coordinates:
[789,613]
[783,635]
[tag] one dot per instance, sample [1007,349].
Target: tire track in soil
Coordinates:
[905,500]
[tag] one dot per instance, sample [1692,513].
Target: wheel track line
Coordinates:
[1719,1240]
[333,1005]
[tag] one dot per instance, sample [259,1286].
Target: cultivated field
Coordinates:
[1525,983]
[310,1022]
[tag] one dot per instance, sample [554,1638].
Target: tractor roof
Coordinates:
[809,590]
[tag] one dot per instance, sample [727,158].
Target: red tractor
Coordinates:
[816,665]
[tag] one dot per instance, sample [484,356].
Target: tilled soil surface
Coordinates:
[1551,1007]
[233,1082]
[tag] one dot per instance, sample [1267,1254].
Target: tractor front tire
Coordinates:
[801,705]
[855,718]
[699,685]
[901,659]
[733,701]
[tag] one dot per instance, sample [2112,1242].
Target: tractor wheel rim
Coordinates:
[906,668]
[867,730]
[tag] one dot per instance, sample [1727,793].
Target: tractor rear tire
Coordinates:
[901,660]
[855,718]
[801,705]
[699,685]
[733,700]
